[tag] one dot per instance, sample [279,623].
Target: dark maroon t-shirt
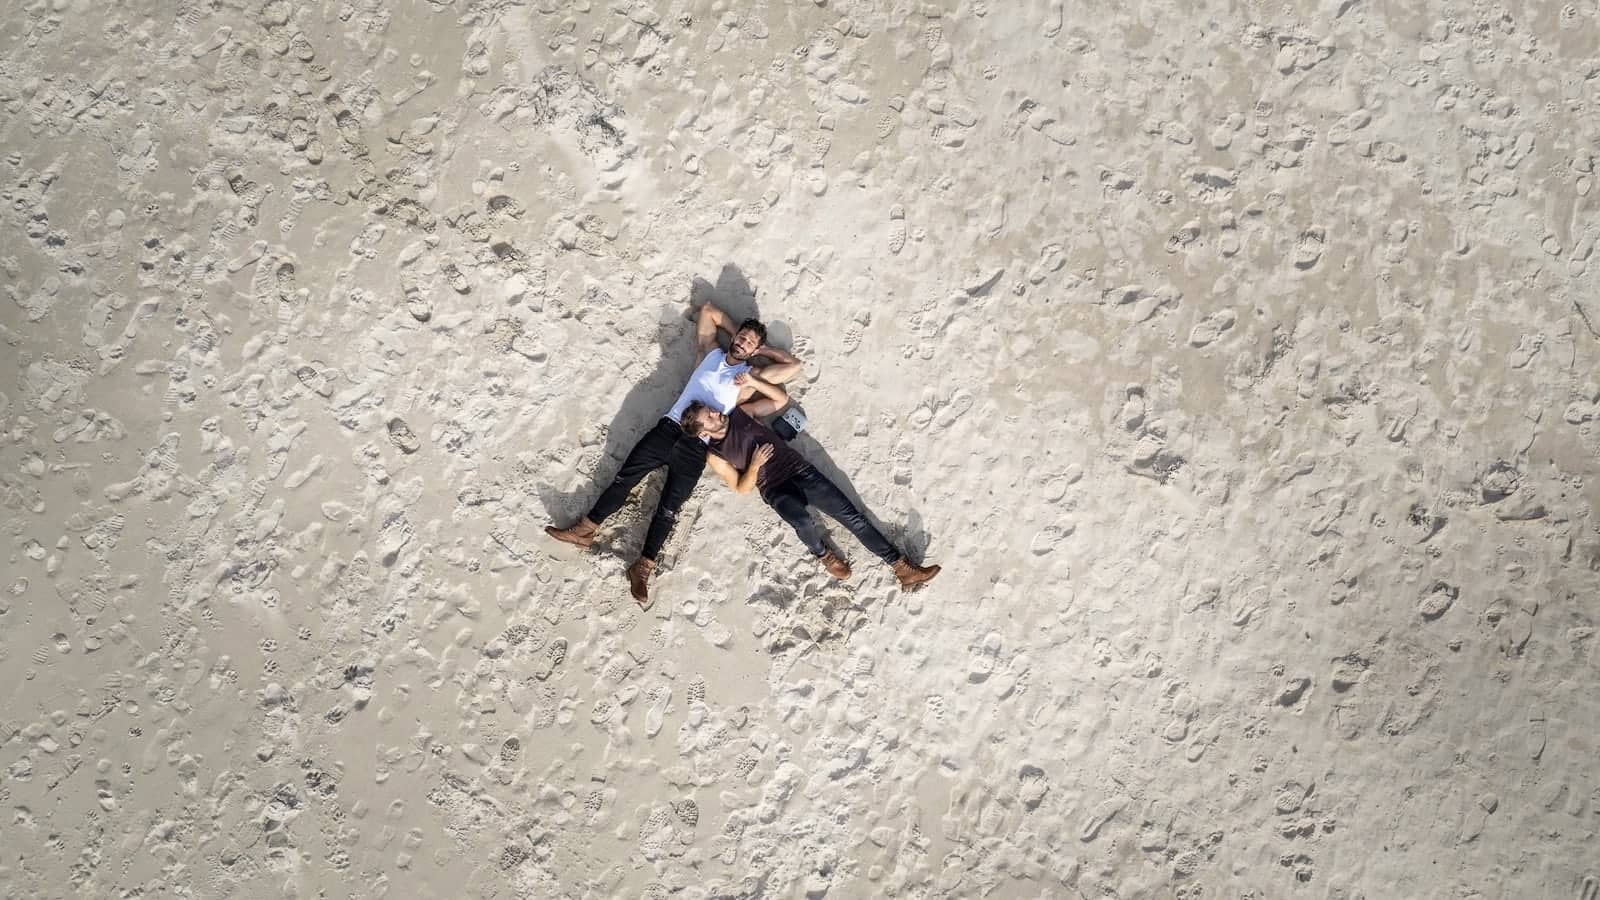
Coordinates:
[739,445]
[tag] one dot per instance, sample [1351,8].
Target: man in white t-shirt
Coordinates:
[723,380]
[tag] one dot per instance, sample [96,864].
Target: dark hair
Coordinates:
[756,326]
[690,420]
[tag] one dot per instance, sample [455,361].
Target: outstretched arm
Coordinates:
[759,397]
[785,365]
[710,321]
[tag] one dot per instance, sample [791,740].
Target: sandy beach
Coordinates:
[1239,364]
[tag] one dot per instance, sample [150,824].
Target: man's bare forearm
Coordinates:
[767,389]
[713,318]
[784,367]
[761,407]
[778,373]
[707,324]
[747,478]
[777,355]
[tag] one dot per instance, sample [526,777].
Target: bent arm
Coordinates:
[785,365]
[760,408]
[725,469]
[747,478]
[710,321]
[760,397]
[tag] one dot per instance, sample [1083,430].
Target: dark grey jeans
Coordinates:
[810,487]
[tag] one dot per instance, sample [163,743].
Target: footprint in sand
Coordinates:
[1032,787]
[1132,414]
[594,804]
[420,307]
[897,228]
[1113,180]
[1536,736]
[656,714]
[283,278]
[553,658]
[954,408]
[1437,601]
[1202,742]
[1308,248]
[404,439]
[653,834]
[505,207]
[1054,18]
[820,145]
[1293,690]
[1212,327]
[1098,818]
[1051,258]
[745,764]
[1183,237]
[1243,606]
[688,812]
[985,656]
[855,331]
[1050,538]
[395,533]
[315,378]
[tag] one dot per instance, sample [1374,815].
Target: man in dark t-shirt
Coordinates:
[750,456]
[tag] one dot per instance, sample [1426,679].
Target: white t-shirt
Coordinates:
[711,384]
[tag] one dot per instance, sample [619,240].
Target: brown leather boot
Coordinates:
[836,567]
[579,535]
[913,577]
[639,581]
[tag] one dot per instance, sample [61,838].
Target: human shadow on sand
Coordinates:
[645,403]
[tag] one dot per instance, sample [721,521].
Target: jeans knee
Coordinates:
[666,513]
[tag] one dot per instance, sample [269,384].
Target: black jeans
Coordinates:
[663,445]
[812,487]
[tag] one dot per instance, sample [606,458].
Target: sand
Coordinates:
[1238,362]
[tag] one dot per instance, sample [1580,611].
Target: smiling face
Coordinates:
[745,343]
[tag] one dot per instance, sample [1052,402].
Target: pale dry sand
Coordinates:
[1237,361]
